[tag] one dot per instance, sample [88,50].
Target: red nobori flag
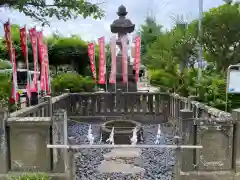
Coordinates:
[33,39]
[47,80]
[43,76]
[23,40]
[137,56]
[14,93]
[7,30]
[112,78]
[102,61]
[91,54]
[40,45]
[124,59]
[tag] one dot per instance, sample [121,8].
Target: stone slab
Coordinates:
[123,153]
[119,167]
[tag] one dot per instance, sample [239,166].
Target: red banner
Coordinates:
[91,54]
[47,80]
[124,59]
[23,40]
[102,61]
[14,93]
[33,39]
[112,79]
[40,45]
[137,56]
[7,30]
[43,76]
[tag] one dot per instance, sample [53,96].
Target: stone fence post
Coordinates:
[59,155]
[188,136]
[236,150]
[3,143]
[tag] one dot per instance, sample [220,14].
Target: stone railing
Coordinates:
[140,104]
[217,131]
[43,109]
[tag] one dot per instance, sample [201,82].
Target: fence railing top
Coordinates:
[35,120]
[30,109]
[218,114]
[27,110]
[105,93]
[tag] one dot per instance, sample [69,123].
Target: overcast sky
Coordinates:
[164,10]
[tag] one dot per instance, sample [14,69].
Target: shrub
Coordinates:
[31,176]
[72,81]
[5,89]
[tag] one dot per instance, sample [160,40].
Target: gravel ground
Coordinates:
[158,163]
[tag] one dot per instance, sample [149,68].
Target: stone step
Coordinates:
[127,153]
[119,167]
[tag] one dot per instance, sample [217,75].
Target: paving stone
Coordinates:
[119,167]
[124,153]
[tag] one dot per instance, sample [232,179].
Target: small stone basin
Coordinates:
[123,130]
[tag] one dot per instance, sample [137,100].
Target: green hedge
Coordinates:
[31,176]
[72,81]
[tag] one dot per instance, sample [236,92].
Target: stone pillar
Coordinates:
[48,113]
[3,143]
[59,155]
[236,155]
[188,136]
[29,137]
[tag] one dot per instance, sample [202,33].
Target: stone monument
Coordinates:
[122,27]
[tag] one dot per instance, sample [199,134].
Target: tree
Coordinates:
[149,32]
[62,10]
[16,43]
[221,32]
[68,50]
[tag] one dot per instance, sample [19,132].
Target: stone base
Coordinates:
[119,167]
[54,176]
[126,153]
[202,175]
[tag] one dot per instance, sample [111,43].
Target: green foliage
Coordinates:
[63,10]
[72,50]
[72,81]
[149,31]
[5,89]
[16,43]
[31,176]
[168,56]
[61,51]
[5,65]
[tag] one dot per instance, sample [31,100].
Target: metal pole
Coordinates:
[65,131]
[200,39]
[87,146]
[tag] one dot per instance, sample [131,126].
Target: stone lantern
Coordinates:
[122,26]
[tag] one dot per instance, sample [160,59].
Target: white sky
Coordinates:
[164,10]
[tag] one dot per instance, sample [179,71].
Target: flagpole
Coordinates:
[27,63]
[38,69]
[106,81]
[94,60]
[106,86]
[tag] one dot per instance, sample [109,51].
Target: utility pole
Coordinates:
[200,50]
